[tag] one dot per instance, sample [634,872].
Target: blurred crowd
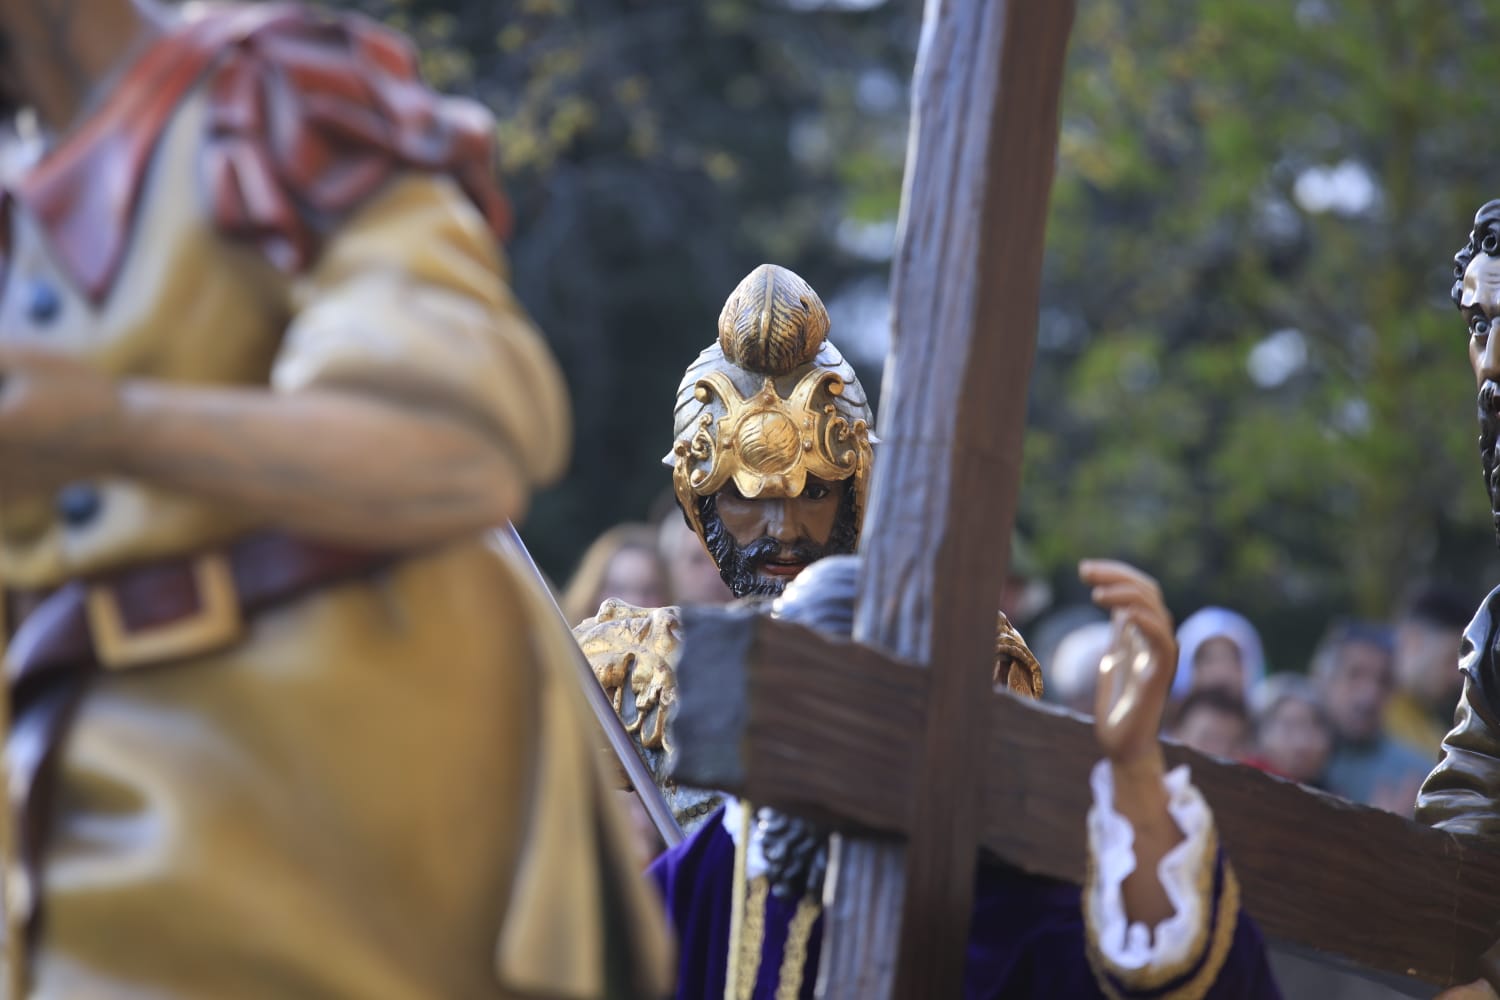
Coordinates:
[1363,719]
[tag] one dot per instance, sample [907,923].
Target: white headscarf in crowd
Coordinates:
[1213,623]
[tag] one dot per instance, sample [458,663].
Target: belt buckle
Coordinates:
[216,623]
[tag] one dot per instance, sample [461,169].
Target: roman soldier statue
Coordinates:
[770,463]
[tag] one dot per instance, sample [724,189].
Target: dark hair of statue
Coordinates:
[1484,236]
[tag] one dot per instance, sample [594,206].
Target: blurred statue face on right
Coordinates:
[1476,292]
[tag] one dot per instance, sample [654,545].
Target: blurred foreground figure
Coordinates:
[282,724]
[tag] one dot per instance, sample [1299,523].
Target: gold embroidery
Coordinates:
[794,960]
[752,938]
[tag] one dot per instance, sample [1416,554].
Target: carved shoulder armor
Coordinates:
[634,653]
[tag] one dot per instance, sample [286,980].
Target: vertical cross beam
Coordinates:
[937,534]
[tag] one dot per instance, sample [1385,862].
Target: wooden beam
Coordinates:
[1364,886]
[737,728]
[966,287]
[1317,872]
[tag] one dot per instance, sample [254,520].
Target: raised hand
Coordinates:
[1134,680]
[1136,675]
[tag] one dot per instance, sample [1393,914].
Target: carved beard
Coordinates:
[1489,438]
[739,565]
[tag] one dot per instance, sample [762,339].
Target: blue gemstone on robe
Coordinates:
[79,504]
[42,302]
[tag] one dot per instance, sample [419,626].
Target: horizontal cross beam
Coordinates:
[821,728]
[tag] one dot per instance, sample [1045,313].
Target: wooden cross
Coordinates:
[899,732]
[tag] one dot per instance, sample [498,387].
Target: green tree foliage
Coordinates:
[1251,378]
[655,151]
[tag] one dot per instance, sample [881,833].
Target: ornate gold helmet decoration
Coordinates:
[771,402]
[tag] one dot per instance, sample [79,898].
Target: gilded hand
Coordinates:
[60,420]
[1136,675]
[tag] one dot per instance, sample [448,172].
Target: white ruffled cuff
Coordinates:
[1132,952]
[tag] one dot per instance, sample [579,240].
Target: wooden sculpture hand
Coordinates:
[1135,678]
[1136,675]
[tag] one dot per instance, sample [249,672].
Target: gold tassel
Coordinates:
[753,936]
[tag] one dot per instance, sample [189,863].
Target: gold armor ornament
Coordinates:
[632,650]
[771,402]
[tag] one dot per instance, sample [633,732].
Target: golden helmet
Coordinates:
[771,402]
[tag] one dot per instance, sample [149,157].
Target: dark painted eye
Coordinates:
[816,491]
[1491,242]
[1479,326]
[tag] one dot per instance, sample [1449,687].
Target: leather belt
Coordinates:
[174,608]
[144,616]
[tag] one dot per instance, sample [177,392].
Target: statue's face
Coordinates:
[762,544]
[1478,297]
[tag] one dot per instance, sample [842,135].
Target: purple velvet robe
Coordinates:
[1026,941]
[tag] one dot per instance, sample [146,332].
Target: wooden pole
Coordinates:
[937,535]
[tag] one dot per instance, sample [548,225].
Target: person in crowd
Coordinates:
[1218,648]
[1214,721]
[1428,633]
[622,563]
[1355,670]
[1074,670]
[1293,733]
[692,574]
